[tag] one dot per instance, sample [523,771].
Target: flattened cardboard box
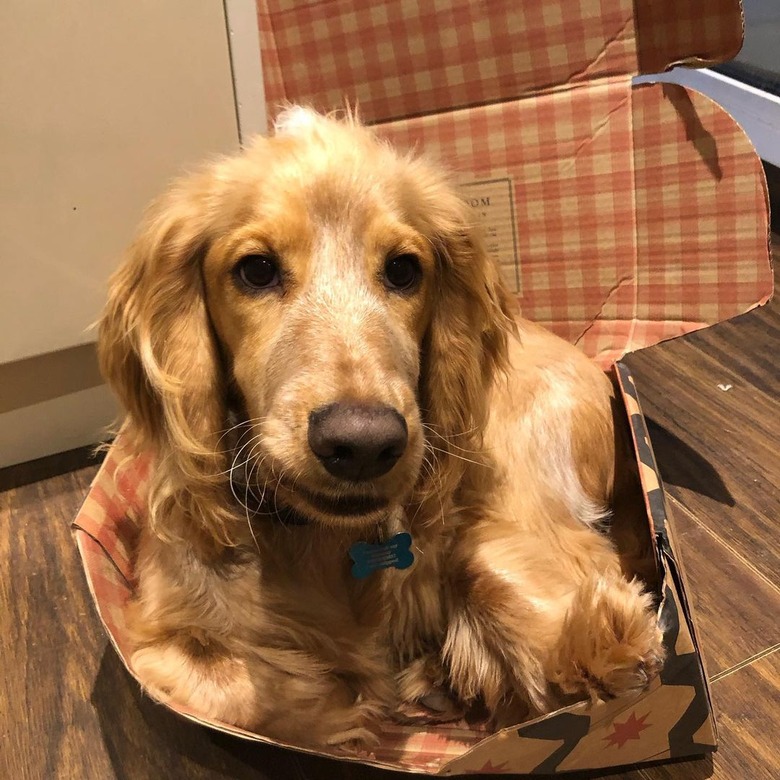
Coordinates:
[621,216]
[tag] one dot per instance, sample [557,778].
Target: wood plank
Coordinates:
[735,609]
[50,641]
[718,455]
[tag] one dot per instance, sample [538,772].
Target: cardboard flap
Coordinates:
[111,513]
[671,719]
[702,210]
[401,58]
[638,213]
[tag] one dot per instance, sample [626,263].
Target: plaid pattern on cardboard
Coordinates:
[621,216]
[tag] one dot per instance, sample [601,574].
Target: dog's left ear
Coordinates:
[466,341]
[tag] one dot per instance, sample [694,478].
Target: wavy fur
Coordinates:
[517,597]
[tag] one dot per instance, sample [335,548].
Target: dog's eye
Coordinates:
[258,272]
[402,272]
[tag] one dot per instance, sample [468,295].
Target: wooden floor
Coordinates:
[69,710]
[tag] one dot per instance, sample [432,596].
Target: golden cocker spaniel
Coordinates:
[375,486]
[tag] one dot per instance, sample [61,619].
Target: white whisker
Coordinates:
[455,455]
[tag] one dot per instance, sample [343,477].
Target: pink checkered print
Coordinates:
[400,58]
[572,186]
[117,493]
[701,208]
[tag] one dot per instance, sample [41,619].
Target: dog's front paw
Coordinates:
[350,728]
[423,693]
[217,687]
[611,644]
[354,740]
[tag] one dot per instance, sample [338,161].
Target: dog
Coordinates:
[312,342]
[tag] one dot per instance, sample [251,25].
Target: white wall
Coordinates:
[101,104]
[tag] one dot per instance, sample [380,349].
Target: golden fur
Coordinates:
[516,599]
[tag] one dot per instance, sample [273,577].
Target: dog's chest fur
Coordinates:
[386,620]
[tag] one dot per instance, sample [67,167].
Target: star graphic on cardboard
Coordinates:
[491,768]
[628,730]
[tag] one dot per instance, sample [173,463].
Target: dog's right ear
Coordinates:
[155,345]
[158,353]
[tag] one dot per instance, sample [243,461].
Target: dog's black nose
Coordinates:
[357,441]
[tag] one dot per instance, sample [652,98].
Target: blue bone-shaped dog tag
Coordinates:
[394,553]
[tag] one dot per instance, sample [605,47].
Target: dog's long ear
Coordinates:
[466,342]
[158,353]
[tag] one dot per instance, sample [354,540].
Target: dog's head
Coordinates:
[330,293]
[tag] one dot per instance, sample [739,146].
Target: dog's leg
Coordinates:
[532,627]
[205,639]
[282,694]
[494,643]
[213,684]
